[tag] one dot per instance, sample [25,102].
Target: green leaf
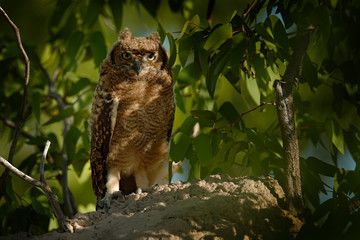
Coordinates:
[203,149]
[179,100]
[265,32]
[74,44]
[229,112]
[36,105]
[38,141]
[71,138]
[203,114]
[98,47]
[79,85]
[185,47]
[335,134]
[92,12]
[261,74]
[202,57]
[151,6]
[321,167]
[116,7]
[173,49]
[309,72]
[67,112]
[179,147]
[162,32]
[324,208]
[253,89]
[219,36]
[279,32]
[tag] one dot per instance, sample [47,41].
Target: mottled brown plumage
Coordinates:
[131,117]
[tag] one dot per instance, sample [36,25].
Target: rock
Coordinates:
[218,207]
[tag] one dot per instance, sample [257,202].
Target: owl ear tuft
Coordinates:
[125,34]
[155,37]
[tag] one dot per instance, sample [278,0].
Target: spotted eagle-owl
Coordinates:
[131,117]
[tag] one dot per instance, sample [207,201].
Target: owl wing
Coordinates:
[100,138]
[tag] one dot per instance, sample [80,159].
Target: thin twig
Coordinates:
[12,125]
[210,11]
[27,135]
[243,114]
[46,188]
[42,164]
[26,83]
[249,9]
[21,118]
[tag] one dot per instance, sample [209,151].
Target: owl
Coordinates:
[131,118]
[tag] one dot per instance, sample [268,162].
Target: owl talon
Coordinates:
[105,202]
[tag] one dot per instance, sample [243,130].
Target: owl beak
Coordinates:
[137,67]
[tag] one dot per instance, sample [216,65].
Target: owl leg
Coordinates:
[113,190]
[141,179]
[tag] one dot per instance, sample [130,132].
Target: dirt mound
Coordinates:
[219,207]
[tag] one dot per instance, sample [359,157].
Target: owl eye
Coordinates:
[126,55]
[151,57]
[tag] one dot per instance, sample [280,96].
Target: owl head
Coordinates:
[138,55]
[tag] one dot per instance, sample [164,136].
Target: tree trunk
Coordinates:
[285,111]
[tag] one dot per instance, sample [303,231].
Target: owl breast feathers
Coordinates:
[131,117]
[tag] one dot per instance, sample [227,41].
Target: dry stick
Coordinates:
[285,111]
[21,118]
[66,226]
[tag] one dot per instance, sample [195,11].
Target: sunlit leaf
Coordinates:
[218,37]
[253,89]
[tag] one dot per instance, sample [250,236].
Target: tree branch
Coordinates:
[21,117]
[12,125]
[285,111]
[66,226]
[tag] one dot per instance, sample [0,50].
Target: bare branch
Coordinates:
[42,164]
[26,83]
[46,188]
[21,118]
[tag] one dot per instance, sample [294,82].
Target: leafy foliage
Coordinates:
[225,121]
